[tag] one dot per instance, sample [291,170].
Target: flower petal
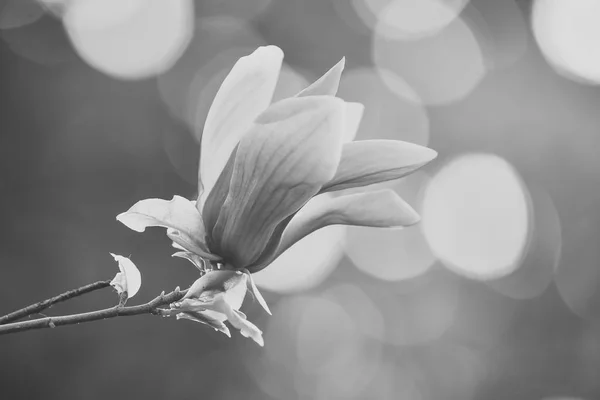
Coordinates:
[215,281]
[189,243]
[243,95]
[280,164]
[382,208]
[195,259]
[217,196]
[328,84]
[215,306]
[236,291]
[254,289]
[203,318]
[247,328]
[371,161]
[129,280]
[179,215]
[354,114]
[238,320]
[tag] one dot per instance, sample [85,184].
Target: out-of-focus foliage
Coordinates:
[495,295]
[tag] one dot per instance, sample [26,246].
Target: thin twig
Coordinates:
[44,304]
[152,307]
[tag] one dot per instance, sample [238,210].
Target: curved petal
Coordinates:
[211,312]
[328,84]
[238,319]
[195,259]
[382,209]
[215,281]
[217,196]
[206,319]
[244,94]
[372,161]
[179,215]
[266,256]
[247,328]
[280,164]
[189,243]
[254,289]
[354,114]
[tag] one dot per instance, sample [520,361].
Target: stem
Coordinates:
[44,304]
[152,307]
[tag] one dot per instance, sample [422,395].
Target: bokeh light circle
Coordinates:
[306,264]
[501,30]
[417,311]
[537,270]
[361,307]
[387,115]
[130,39]
[17,13]
[393,254]
[442,68]
[482,316]
[247,9]
[320,338]
[476,216]
[412,19]
[217,44]
[578,276]
[325,335]
[567,33]
[407,19]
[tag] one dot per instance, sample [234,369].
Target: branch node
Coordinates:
[123,296]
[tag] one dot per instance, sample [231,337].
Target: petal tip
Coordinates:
[339,67]
[130,222]
[431,154]
[413,218]
[270,50]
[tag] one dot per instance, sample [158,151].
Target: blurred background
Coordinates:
[495,295]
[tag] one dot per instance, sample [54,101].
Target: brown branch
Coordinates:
[44,304]
[152,307]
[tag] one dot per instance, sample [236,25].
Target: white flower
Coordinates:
[261,163]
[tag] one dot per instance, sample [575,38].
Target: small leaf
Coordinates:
[129,280]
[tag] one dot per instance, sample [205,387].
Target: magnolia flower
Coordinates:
[261,163]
